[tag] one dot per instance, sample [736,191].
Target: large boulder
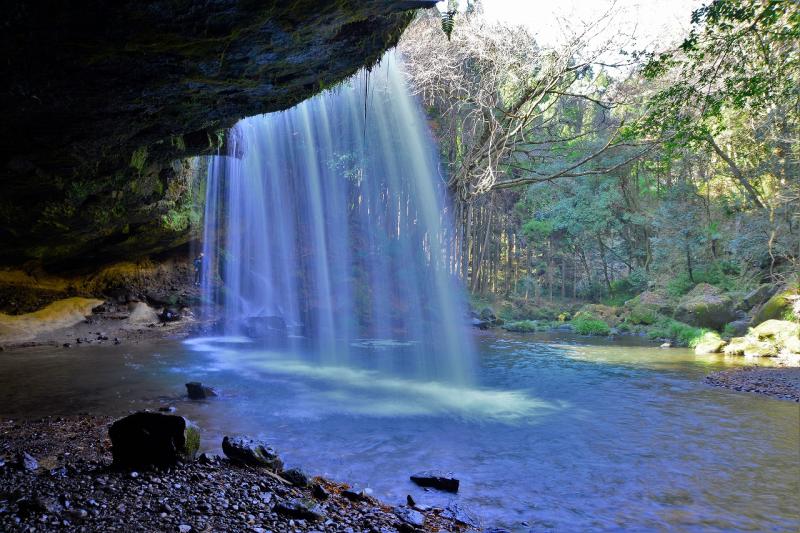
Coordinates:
[152,439]
[776,308]
[776,330]
[706,306]
[757,296]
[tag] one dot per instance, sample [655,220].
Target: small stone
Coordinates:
[184,528]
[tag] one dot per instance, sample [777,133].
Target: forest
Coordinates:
[576,178]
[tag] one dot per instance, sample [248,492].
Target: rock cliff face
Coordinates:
[102,103]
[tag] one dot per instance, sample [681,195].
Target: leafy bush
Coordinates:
[720,275]
[678,332]
[521,326]
[587,324]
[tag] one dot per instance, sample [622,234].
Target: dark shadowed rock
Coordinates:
[436,480]
[145,439]
[250,452]
[25,461]
[296,477]
[197,391]
[319,492]
[301,509]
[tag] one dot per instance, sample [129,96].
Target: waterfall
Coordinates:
[327,221]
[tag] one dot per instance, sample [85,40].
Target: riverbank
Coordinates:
[70,486]
[780,383]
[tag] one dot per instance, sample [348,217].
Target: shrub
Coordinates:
[587,324]
[680,333]
[521,326]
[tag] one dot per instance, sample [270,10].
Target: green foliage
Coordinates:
[139,158]
[642,314]
[718,274]
[587,324]
[521,326]
[678,332]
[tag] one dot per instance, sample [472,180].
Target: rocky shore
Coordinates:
[56,474]
[781,383]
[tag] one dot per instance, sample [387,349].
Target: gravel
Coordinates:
[74,488]
[780,383]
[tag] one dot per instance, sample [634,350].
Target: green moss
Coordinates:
[588,324]
[191,439]
[678,332]
[139,158]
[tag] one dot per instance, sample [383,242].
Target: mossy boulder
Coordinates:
[521,326]
[706,306]
[757,296]
[768,339]
[779,307]
[709,343]
[146,439]
[612,316]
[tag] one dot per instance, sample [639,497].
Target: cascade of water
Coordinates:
[328,216]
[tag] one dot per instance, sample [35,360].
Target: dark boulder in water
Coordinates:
[265,327]
[436,480]
[152,439]
[198,391]
[250,452]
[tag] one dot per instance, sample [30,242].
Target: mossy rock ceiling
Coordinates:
[99,98]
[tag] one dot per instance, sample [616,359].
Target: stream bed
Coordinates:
[557,432]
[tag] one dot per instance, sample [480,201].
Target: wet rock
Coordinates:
[198,391]
[170,314]
[25,461]
[319,492]
[250,452]
[410,516]
[666,345]
[458,513]
[436,480]
[296,477]
[355,495]
[145,439]
[301,509]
